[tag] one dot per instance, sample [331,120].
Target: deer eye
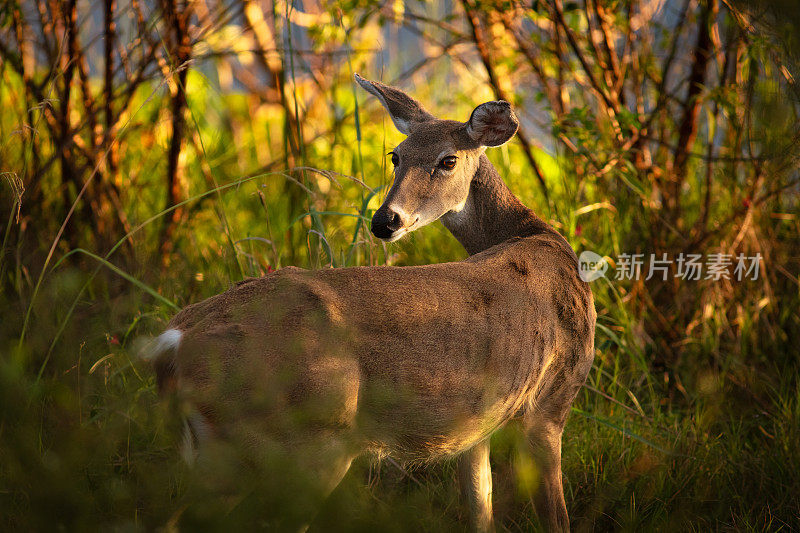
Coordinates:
[395,158]
[448,163]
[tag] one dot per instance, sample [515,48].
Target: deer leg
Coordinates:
[475,479]
[330,475]
[308,483]
[235,487]
[545,440]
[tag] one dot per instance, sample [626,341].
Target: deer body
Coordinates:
[419,362]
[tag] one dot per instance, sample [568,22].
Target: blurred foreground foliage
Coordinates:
[154,152]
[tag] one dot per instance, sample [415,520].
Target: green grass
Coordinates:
[710,443]
[88,444]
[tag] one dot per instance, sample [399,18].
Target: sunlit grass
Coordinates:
[85,443]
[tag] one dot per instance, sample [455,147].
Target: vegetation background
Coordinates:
[153,152]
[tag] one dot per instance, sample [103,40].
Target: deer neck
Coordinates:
[491,214]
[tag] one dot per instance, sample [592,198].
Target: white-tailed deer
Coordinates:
[301,371]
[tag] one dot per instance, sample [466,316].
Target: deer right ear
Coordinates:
[492,123]
[404,110]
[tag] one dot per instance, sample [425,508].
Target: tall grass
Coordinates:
[708,442]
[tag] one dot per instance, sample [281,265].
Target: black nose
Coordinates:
[385,222]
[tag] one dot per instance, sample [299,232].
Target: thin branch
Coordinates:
[573,43]
[687,131]
[176,21]
[483,51]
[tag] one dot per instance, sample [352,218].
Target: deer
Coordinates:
[420,363]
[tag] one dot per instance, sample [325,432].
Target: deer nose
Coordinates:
[385,222]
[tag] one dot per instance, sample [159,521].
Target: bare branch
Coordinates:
[485,54]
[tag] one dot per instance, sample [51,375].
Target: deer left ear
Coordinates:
[404,110]
[492,123]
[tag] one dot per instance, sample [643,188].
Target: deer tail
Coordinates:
[161,354]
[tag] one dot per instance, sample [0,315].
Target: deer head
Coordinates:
[435,164]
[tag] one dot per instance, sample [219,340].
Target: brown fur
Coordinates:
[418,362]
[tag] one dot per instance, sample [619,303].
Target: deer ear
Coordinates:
[404,110]
[492,123]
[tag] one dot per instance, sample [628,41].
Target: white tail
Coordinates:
[417,362]
[163,344]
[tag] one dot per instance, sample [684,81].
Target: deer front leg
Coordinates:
[545,439]
[475,479]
